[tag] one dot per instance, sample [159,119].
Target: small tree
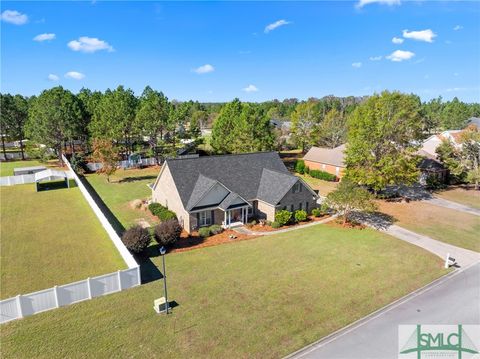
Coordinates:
[349,197]
[136,238]
[105,153]
[283,217]
[300,216]
[300,166]
[168,232]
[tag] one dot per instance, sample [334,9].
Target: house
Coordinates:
[475,121]
[331,160]
[229,189]
[430,145]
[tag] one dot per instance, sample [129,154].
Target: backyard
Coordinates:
[466,196]
[446,225]
[6,168]
[124,187]
[323,187]
[50,238]
[261,298]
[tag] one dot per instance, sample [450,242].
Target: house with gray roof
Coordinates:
[229,189]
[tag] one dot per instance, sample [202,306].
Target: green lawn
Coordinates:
[260,298]
[323,187]
[50,238]
[124,187]
[468,197]
[6,168]
[446,225]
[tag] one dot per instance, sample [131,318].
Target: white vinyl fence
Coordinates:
[14,180]
[95,166]
[62,295]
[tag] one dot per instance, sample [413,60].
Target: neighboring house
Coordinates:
[430,145]
[330,160]
[229,189]
[474,121]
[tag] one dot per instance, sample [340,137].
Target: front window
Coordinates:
[297,187]
[205,218]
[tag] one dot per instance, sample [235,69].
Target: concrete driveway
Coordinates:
[451,300]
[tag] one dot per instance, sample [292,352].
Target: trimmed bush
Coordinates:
[300,215]
[215,229]
[300,166]
[323,175]
[204,232]
[283,217]
[275,225]
[168,232]
[316,212]
[306,170]
[163,213]
[136,238]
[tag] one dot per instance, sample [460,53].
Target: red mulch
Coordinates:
[265,228]
[191,241]
[339,224]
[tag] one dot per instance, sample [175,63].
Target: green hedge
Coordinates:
[163,213]
[283,217]
[323,175]
[300,215]
[300,166]
[210,231]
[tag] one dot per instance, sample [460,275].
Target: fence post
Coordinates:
[55,291]
[119,276]
[19,306]
[89,288]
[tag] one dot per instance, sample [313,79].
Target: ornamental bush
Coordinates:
[215,229]
[283,217]
[204,232]
[168,232]
[300,215]
[275,225]
[316,212]
[136,238]
[163,213]
[300,166]
[322,175]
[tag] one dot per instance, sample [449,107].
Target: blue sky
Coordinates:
[216,51]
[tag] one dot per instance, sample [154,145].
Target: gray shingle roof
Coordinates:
[260,175]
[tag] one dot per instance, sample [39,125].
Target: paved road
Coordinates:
[453,205]
[452,300]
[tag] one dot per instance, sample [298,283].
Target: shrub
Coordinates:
[168,232]
[316,212]
[204,232]
[306,170]
[324,208]
[276,225]
[283,217]
[215,229]
[300,215]
[155,208]
[300,166]
[167,215]
[323,175]
[163,213]
[136,238]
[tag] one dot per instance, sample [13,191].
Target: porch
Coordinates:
[235,217]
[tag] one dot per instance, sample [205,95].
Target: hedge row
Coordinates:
[210,231]
[301,168]
[163,213]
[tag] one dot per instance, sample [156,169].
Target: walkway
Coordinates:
[453,205]
[245,230]
[450,300]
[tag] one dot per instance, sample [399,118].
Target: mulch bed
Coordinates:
[191,241]
[339,224]
[265,228]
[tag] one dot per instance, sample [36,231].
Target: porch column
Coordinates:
[225,218]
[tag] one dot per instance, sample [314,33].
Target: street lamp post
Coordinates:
[162,253]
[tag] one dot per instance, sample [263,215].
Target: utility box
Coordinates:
[160,305]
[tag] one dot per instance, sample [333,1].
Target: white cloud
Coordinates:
[458,27]
[398,40]
[204,69]
[375,58]
[14,17]
[400,55]
[250,88]
[276,24]
[422,35]
[357,65]
[362,3]
[44,37]
[74,75]
[89,44]
[53,77]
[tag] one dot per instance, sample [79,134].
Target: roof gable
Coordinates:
[332,156]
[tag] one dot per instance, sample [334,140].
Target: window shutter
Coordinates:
[198,219]
[213,217]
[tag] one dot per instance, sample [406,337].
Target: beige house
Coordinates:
[230,189]
[329,160]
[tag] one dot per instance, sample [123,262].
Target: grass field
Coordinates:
[6,168]
[446,225]
[124,187]
[50,238]
[260,298]
[323,187]
[468,197]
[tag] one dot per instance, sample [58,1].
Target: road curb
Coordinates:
[358,323]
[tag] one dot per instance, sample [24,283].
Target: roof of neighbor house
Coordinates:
[260,175]
[331,156]
[429,146]
[474,121]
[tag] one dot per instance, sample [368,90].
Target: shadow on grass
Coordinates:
[377,220]
[134,179]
